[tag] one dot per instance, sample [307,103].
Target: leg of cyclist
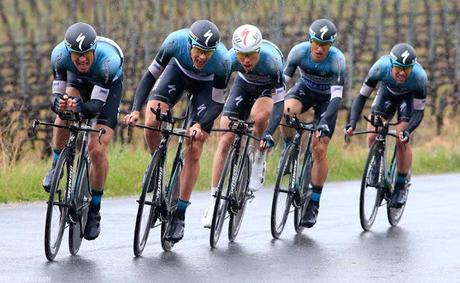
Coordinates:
[403,156]
[98,150]
[320,166]
[260,113]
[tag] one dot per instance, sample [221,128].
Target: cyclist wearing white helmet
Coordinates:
[257,93]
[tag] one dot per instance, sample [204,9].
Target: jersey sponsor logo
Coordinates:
[208,36]
[200,109]
[80,39]
[238,100]
[172,89]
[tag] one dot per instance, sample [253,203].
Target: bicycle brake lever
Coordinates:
[99,136]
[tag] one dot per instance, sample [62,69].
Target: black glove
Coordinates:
[323,130]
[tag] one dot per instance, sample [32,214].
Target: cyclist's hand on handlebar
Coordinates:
[404,136]
[266,142]
[131,118]
[60,105]
[196,128]
[323,131]
[348,130]
[74,103]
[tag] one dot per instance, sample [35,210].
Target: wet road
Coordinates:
[425,247]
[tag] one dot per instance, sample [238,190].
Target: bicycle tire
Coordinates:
[221,204]
[52,244]
[241,194]
[82,200]
[305,192]
[146,219]
[370,194]
[284,190]
[394,214]
[171,197]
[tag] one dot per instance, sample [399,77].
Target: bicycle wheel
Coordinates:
[147,215]
[371,194]
[394,214]
[82,200]
[284,190]
[305,191]
[222,194]
[56,212]
[241,198]
[171,196]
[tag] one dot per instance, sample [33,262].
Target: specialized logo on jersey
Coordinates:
[80,39]
[323,31]
[171,89]
[208,36]
[200,109]
[238,100]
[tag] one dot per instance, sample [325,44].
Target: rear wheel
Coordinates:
[222,194]
[284,191]
[242,197]
[148,209]
[394,214]
[305,192]
[371,186]
[171,196]
[56,212]
[82,201]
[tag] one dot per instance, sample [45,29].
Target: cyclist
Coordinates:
[322,71]
[88,79]
[402,89]
[258,92]
[195,60]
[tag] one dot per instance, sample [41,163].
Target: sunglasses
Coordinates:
[250,55]
[402,68]
[77,55]
[321,43]
[207,53]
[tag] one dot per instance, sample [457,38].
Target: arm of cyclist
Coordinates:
[275,118]
[330,115]
[370,83]
[149,78]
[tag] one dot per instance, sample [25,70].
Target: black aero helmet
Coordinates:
[204,34]
[323,30]
[80,37]
[403,55]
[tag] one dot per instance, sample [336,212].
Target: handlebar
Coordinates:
[239,127]
[72,128]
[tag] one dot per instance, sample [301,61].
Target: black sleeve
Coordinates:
[356,109]
[331,111]
[211,114]
[415,120]
[92,108]
[143,90]
[277,114]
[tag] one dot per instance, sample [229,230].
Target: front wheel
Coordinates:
[241,195]
[56,212]
[284,190]
[222,194]
[147,211]
[371,187]
[304,193]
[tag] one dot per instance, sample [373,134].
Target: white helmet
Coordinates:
[247,38]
